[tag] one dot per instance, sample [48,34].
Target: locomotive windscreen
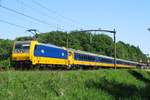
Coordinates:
[22,47]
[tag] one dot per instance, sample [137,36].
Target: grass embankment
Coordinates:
[75,85]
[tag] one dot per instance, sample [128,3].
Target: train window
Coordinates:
[107,60]
[119,62]
[85,57]
[93,58]
[22,47]
[99,59]
[90,58]
[79,57]
[82,57]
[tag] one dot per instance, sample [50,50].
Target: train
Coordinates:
[27,54]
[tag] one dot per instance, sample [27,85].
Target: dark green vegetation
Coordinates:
[96,43]
[5,52]
[75,85]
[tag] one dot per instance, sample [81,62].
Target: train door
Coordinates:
[70,57]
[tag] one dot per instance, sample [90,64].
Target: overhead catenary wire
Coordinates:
[29,21]
[30,7]
[39,11]
[54,12]
[28,16]
[15,25]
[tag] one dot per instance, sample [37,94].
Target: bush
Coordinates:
[5,64]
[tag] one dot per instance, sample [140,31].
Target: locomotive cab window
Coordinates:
[22,47]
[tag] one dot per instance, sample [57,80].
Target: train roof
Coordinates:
[45,44]
[52,45]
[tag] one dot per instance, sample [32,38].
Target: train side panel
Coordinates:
[49,55]
[89,60]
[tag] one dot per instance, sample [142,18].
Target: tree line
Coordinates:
[95,43]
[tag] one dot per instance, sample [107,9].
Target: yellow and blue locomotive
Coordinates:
[26,53]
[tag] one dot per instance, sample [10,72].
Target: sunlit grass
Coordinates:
[78,85]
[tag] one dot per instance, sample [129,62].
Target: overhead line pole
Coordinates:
[67,40]
[109,31]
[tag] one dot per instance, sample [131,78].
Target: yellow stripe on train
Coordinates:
[100,64]
[44,60]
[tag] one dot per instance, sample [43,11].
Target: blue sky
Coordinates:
[130,18]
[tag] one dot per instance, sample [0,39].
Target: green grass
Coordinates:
[104,84]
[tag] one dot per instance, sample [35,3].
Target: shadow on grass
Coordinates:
[117,90]
[121,90]
[139,76]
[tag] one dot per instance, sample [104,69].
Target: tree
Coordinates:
[5,48]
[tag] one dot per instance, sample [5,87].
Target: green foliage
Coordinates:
[5,64]
[130,52]
[75,85]
[5,48]
[103,44]
[5,52]
[58,38]
[25,38]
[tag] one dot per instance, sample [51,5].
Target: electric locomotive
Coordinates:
[32,53]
